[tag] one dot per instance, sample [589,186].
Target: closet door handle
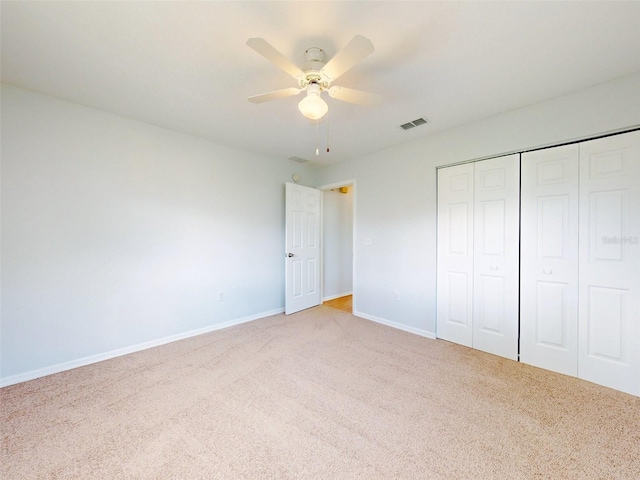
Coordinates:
[493,267]
[547,271]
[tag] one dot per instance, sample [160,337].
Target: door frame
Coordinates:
[323,188]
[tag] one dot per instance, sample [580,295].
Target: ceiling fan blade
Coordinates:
[265,97]
[356,50]
[354,96]
[265,49]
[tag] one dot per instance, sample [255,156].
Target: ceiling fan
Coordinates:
[318,76]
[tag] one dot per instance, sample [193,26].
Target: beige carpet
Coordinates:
[317,395]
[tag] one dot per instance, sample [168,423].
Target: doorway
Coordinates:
[338,230]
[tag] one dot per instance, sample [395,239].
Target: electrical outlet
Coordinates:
[221,297]
[396,296]
[368,241]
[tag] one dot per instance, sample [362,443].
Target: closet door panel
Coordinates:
[455,254]
[609,291]
[549,259]
[495,256]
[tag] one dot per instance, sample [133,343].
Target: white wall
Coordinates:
[396,204]
[117,234]
[337,246]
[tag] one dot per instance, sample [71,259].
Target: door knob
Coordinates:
[289,255]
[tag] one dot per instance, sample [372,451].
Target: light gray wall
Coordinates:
[116,233]
[396,197]
[337,247]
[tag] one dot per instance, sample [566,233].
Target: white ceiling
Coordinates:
[185,65]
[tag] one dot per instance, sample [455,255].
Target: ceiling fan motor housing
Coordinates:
[313,69]
[314,77]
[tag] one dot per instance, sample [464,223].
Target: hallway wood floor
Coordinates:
[343,303]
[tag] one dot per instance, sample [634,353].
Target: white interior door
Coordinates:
[302,271]
[609,290]
[549,259]
[496,248]
[455,254]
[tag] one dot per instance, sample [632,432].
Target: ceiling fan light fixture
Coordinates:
[313,106]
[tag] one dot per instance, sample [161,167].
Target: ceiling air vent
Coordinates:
[414,123]
[299,159]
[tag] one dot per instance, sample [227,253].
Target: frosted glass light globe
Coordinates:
[312,106]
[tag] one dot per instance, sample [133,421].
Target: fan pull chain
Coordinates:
[327,132]
[317,139]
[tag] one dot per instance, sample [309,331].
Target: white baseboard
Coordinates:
[81,362]
[333,297]
[399,326]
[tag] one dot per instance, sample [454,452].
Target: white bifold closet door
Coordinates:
[496,252]
[478,251]
[609,250]
[580,261]
[549,259]
[455,254]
